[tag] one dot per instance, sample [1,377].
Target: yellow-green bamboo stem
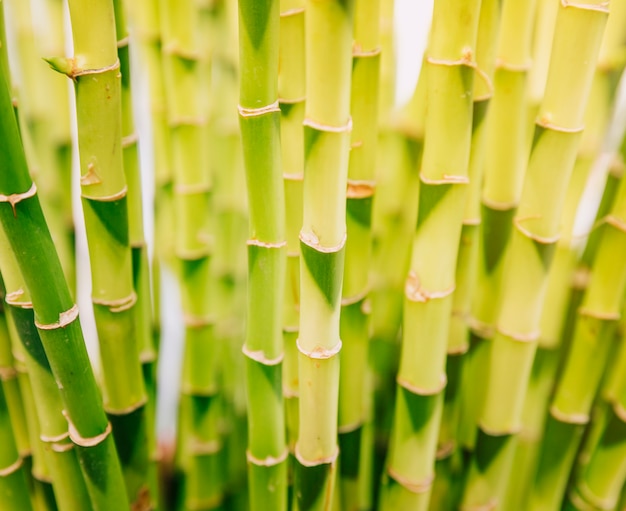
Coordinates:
[534,237]
[429,286]
[327,127]
[259,114]
[355,304]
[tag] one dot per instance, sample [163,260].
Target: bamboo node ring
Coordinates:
[414,291]
[198,448]
[65,318]
[266,244]
[358,52]
[544,240]
[292,12]
[620,411]
[545,122]
[260,357]
[291,101]
[319,353]
[268,461]
[405,384]
[351,300]
[412,486]
[520,337]
[346,128]
[349,428]
[603,7]
[328,460]
[14,198]
[130,140]
[128,409]
[12,468]
[75,72]
[446,179]
[255,112]
[105,198]
[569,418]
[360,189]
[57,447]
[54,439]
[82,441]
[310,239]
[616,222]
[123,43]
[606,316]
[192,321]
[191,188]
[119,305]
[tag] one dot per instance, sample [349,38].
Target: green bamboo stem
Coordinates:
[291,93]
[503,174]
[355,304]
[466,269]
[59,455]
[56,318]
[430,283]
[557,135]
[259,115]
[47,121]
[200,443]
[572,401]
[105,209]
[327,127]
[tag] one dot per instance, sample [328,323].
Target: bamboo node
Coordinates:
[291,101]
[603,7]
[54,439]
[349,428]
[292,12]
[446,179]
[130,140]
[12,468]
[266,244]
[351,300]
[616,222]
[123,42]
[319,353]
[91,177]
[82,441]
[268,461]
[360,189]
[328,460]
[544,240]
[198,448]
[569,418]
[520,337]
[445,450]
[107,198]
[65,318]
[509,66]
[359,52]
[186,120]
[602,315]
[58,447]
[14,198]
[497,205]
[74,72]
[454,351]
[293,177]
[620,411]
[414,291]
[346,128]
[311,239]
[7,373]
[192,321]
[260,357]
[255,112]
[291,328]
[289,393]
[545,121]
[193,254]
[414,389]
[119,305]
[128,409]
[412,486]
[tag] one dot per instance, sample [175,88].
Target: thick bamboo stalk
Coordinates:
[56,318]
[327,127]
[534,237]
[259,114]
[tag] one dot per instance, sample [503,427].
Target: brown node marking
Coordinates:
[128,409]
[603,7]
[197,391]
[410,485]
[328,460]
[359,52]
[290,393]
[414,389]
[130,140]
[59,447]
[319,353]
[260,357]
[291,101]
[447,179]
[360,189]
[601,315]
[509,66]
[119,305]
[91,177]
[458,350]
[520,337]
[569,418]
[445,450]
[82,441]
[65,318]
[123,43]
[268,461]
[310,239]
[414,291]
[266,244]
[7,373]
[493,432]
[346,128]
[293,177]
[480,328]
[199,448]
[499,206]
[544,240]
[615,221]
[620,411]
[467,59]
[349,428]
[186,120]
[143,502]
[292,12]
[12,468]
[192,321]
[54,439]
[545,122]
[255,112]
[15,198]
[350,300]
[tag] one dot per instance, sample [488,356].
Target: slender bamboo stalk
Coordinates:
[259,122]
[291,93]
[105,208]
[57,319]
[327,126]
[355,305]
[557,135]
[430,283]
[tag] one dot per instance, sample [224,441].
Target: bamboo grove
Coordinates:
[379,304]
